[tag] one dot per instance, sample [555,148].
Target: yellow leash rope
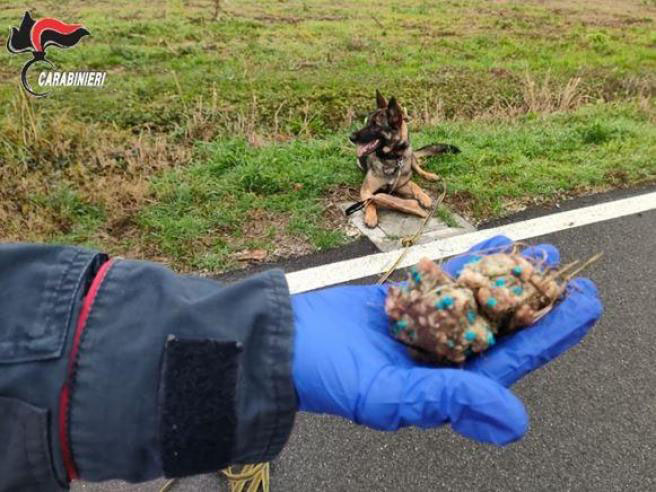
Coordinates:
[253,476]
[249,478]
[408,241]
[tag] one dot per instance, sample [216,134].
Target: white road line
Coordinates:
[343,271]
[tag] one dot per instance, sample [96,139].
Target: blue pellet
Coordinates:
[517,290]
[490,339]
[470,336]
[491,302]
[500,282]
[447,301]
[471,317]
[401,324]
[517,270]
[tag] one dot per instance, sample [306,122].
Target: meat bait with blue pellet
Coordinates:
[446,320]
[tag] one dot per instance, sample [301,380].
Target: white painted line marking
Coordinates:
[343,271]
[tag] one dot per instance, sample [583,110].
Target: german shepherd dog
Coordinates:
[387,159]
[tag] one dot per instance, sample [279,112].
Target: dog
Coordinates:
[386,157]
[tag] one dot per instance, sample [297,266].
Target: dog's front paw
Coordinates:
[425,201]
[370,217]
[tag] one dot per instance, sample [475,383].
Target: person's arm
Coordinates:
[111,368]
[123,369]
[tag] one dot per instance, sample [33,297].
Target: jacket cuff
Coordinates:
[224,402]
[266,398]
[194,375]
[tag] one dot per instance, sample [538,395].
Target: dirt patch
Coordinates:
[333,216]
[289,19]
[502,73]
[604,13]
[461,202]
[262,226]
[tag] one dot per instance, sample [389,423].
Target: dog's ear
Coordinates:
[394,113]
[380,100]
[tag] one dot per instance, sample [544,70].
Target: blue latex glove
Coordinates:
[346,363]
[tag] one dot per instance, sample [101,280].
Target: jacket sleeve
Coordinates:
[132,371]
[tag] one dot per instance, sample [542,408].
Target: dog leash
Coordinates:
[250,478]
[253,476]
[408,241]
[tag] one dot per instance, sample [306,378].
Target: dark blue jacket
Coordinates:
[111,368]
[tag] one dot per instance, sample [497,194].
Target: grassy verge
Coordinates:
[220,139]
[281,197]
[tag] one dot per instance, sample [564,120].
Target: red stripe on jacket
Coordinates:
[67,388]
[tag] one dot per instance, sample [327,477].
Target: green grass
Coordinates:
[78,219]
[316,62]
[229,178]
[446,216]
[215,136]
[527,159]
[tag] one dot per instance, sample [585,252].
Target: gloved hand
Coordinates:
[346,363]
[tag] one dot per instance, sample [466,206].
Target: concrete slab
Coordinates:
[394,225]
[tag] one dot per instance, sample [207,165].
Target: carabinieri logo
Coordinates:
[36,36]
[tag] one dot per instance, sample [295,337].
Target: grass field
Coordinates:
[221,133]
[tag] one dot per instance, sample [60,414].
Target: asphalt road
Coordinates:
[593,411]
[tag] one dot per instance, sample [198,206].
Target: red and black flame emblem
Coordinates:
[36,36]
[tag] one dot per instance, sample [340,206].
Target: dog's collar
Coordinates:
[398,165]
[397,173]
[399,160]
